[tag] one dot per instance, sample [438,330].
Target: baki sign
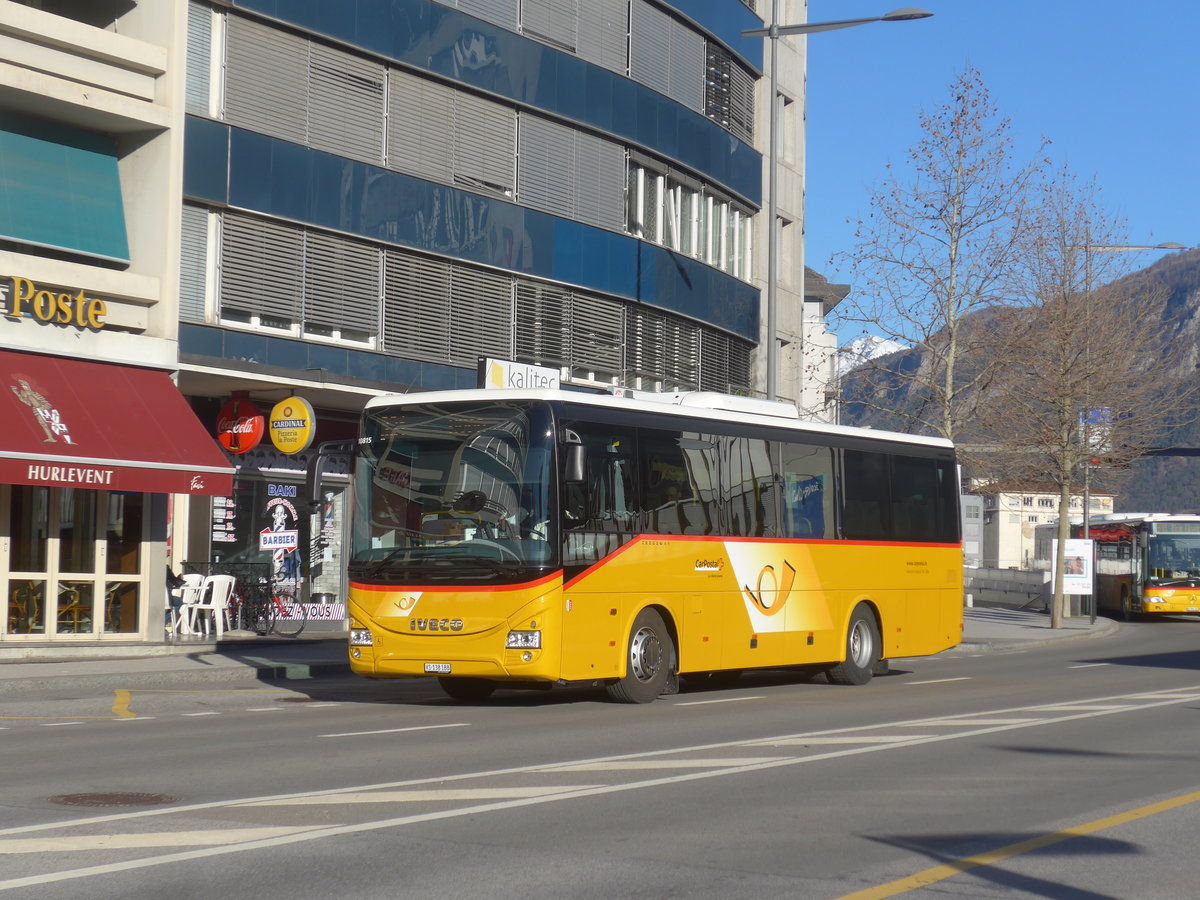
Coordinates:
[500,373]
[291,425]
[240,425]
[22,298]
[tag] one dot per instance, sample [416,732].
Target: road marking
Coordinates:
[937,681]
[938,723]
[215,837]
[338,830]
[396,730]
[209,712]
[263,709]
[57,724]
[633,765]
[1084,707]
[721,700]
[1089,666]
[806,739]
[441,796]
[949,870]
[120,705]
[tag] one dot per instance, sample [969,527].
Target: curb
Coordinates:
[272,672]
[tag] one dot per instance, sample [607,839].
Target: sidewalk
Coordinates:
[241,657]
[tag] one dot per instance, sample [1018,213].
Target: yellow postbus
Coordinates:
[547,537]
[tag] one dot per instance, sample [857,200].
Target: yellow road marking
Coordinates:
[123,697]
[120,705]
[950,869]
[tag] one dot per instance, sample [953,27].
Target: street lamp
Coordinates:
[773,32]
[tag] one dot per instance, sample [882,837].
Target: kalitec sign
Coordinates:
[22,298]
[499,373]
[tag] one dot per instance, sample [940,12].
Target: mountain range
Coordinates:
[1169,484]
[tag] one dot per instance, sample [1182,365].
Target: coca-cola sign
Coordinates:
[240,425]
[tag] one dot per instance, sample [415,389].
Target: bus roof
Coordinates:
[694,404]
[1131,518]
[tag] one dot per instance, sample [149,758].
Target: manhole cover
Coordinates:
[119,798]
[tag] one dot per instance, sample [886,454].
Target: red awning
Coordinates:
[70,423]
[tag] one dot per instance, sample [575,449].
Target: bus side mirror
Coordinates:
[574,468]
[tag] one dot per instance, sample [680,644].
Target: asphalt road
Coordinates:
[1061,771]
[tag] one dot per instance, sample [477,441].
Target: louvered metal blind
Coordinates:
[542,333]
[604,33]
[341,283]
[649,46]
[262,267]
[481,315]
[681,354]
[345,104]
[504,13]
[266,79]
[199,58]
[420,121]
[545,170]
[599,189]
[686,79]
[553,20]
[597,334]
[193,263]
[416,310]
[485,144]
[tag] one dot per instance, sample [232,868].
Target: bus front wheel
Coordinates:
[650,656]
[862,650]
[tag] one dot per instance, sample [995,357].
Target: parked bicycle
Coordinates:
[263,609]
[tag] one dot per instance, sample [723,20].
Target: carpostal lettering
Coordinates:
[26,298]
[70,474]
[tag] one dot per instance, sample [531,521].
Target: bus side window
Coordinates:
[914,499]
[747,488]
[606,500]
[807,499]
[866,512]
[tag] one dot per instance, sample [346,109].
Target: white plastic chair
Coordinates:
[214,601]
[189,594]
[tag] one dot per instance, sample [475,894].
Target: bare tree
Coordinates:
[1091,372]
[942,241]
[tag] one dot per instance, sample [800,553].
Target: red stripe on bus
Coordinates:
[459,588]
[692,538]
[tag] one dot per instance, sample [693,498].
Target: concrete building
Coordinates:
[295,206]
[1011,515]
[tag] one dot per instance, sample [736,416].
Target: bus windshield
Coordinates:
[454,492]
[1174,555]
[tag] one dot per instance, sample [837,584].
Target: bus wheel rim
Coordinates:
[860,644]
[645,654]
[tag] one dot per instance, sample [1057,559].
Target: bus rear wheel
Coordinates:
[650,656]
[467,690]
[862,650]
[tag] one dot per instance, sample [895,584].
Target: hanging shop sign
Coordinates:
[22,298]
[240,424]
[291,425]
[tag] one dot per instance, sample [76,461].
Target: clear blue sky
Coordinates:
[1112,85]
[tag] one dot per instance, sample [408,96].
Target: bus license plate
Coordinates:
[437,668]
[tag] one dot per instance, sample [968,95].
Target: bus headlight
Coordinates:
[524,640]
[361,637]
